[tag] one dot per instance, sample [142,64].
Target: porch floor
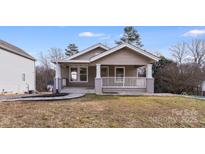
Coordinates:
[78,90]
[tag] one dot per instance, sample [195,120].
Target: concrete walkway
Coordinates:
[195,97]
[19,98]
[78,90]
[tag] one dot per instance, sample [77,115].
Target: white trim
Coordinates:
[78,73]
[203,86]
[107,70]
[76,65]
[138,50]
[123,73]
[87,50]
[137,72]
[57,71]
[74,61]
[98,70]
[149,71]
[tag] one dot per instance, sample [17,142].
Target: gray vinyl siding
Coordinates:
[89,54]
[123,57]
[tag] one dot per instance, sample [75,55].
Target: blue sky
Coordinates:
[39,39]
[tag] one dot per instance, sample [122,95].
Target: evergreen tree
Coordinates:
[131,36]
[71,50]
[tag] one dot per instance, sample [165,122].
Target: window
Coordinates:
[83,74]
[73,74]
[23,77]
[78,74]
[104,71]
[141,72]
[119,74]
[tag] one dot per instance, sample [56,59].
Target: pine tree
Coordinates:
[71,50]
[130,36]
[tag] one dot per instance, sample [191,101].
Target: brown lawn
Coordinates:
[106,111]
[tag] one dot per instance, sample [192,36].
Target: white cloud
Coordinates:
[90,34]
[194,33]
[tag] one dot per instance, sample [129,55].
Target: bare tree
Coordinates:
[179,52]
[197,51]
[174,79]
[44,77]
[44,73]
[44,61]
[56,54]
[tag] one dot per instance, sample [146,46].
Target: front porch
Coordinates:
[122,82]
[99,79]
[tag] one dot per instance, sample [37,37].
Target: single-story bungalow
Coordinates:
[102,69]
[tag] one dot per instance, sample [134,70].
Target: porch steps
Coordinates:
[124,90]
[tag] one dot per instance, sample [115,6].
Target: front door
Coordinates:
[119,74]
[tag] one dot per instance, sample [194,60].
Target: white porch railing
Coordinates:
[123,82]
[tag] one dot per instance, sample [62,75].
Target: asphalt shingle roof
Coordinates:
[11,48]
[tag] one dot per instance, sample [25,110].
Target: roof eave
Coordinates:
[72,61]
[31,58]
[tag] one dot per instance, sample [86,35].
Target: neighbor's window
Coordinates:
[83,74]
[23,77]
[73,74]
[119,74]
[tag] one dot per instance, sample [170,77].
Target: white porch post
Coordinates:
[57,77]
[149,71]
[98,71]
[203,88]
[98,80]
[149,80]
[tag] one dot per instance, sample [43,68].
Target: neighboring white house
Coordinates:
[17,69]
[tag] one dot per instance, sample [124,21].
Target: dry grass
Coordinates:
[106,111]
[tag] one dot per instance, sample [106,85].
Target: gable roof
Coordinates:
[99,45]
[134,48]
[109,51]
[13,49]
